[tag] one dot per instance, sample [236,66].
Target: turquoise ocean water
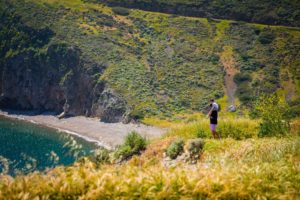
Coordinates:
[27,147]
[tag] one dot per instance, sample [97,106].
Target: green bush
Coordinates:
[240,77]
[271,109]
[266,36]
[135,141]
[294,109]
[175,149]
[133,145]
[244,92]
[120,11]
[195,147]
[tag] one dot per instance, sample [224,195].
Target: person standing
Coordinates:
[213,116]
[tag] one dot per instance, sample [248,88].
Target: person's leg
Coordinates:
[213,130]
[213,134]
[217,136]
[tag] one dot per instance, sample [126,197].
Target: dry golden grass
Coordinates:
[253,168]
[295,126]
[229,169]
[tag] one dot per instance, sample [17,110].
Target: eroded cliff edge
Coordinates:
[45,76]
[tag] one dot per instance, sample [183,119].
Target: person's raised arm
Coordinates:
[209,113]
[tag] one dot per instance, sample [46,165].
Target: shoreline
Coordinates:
[107,135]
[60,130]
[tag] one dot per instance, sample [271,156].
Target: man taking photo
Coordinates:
[213,115]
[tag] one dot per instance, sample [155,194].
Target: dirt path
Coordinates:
[228,62]
[105,134]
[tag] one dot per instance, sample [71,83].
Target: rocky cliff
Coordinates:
[53,77]
[56,81]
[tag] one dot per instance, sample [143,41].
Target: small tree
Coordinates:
[175,149]
[134,144]
[271,109]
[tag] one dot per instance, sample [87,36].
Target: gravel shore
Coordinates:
[107,135]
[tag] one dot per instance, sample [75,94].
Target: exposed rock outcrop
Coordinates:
[107,105]
[59,81]
[231,108]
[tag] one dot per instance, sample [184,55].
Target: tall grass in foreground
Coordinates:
[229,169]
[240,166]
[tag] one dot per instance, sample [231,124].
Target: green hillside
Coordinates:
[155,63]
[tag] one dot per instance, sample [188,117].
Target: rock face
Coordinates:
[231,108]
[42,75]
[58,80]
[107,105]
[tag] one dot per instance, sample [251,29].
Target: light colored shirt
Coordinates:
[215,106]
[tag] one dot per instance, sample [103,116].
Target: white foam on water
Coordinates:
[99,143]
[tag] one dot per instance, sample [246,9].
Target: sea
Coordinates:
[27,147]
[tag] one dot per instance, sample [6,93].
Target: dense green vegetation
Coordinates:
[283,12]
[159,63]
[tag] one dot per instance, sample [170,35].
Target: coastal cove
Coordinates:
[42,141]
[27,147]
[107,135]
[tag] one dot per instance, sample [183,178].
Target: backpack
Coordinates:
[219,108]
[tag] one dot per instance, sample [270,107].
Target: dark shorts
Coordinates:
[213,120]
[214,117]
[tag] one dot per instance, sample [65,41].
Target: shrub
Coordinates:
[244,92]
[294,110]
[175,149]
[120,11]
[195,147]
[271,109]
[240,77]
[266,37]
[135,141]
[133,145]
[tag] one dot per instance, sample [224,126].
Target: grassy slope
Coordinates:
[228,169]
[162,63]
